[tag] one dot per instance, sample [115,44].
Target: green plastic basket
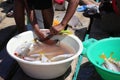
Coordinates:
[79,63]
[96,48]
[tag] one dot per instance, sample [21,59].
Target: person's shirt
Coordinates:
[39,4]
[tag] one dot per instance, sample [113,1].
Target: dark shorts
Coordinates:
[39,4]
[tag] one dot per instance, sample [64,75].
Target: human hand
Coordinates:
[56,29]
[47,36]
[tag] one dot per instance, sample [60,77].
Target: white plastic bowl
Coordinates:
[44,70]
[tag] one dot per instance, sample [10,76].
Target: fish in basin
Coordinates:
[34,50]
[110,63]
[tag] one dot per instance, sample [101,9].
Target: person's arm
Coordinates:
[72,5]
[19,16]
[35,25]
[33,20]
[90,2]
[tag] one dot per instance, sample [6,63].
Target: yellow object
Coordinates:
[64,32]
[55,22]
[41,53]
[103,56]
[67,32]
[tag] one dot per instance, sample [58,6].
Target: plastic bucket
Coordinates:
[44,70]
[93,49]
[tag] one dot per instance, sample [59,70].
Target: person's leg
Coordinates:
[96,32]
[19,15]
[39,18]
[48,15]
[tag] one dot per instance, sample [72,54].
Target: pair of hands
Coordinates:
[49,33]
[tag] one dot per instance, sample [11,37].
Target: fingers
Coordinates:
[53,31]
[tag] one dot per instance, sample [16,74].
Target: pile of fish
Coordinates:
[110,63]
[32,51]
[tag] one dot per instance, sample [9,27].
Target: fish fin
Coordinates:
[103,56]
[41,52]
[111,54]
[110,58]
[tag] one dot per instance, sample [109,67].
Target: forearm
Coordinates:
[33,21]
[88,2]
[70,11]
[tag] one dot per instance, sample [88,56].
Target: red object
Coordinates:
[59,1]
[114,4]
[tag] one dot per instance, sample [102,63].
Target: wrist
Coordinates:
[46,38]
[63,24]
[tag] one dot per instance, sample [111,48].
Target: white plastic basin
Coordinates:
[44,70]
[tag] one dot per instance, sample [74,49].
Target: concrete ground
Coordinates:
[5,21]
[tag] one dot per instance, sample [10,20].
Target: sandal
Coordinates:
[10,14]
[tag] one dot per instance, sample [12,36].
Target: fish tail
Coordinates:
[103,56]
[111,54]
